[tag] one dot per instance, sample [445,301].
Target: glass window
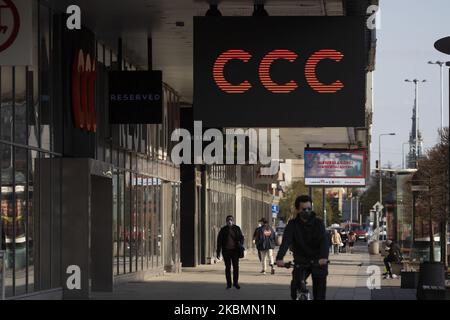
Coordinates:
[151,221]
[6,110]
[32,209]
[20,105]
[7,215]
[121,223]
[140,222]
[19,232]
[127,222]
[158,226]
[45,77]
[134,225]
[115,230]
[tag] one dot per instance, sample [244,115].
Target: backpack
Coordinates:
[264,238]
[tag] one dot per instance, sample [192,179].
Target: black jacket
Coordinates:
[395,254]
[264,242]
[223,235]
[308,240]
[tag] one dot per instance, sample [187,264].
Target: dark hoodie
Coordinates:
[308,240]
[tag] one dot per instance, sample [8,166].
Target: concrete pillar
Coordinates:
[238,196]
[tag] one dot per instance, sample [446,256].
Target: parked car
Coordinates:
[361,233]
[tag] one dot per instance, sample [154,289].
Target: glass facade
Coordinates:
[31,129]
[30,191]
[222,201]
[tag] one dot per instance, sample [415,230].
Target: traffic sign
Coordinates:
[275,208]
[378,206]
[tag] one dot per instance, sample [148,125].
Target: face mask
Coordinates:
[230,223]
[305,214]
[259,224]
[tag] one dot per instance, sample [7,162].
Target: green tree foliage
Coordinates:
[298,188]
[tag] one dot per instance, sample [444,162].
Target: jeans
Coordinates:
[264,254]
[319,282]
[336,249]
[231,257]
[387,264]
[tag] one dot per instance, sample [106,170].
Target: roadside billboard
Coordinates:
[335,167]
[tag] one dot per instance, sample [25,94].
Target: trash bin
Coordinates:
[374,247]
[409,279]
[431,284]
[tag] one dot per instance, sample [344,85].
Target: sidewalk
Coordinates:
[347,280]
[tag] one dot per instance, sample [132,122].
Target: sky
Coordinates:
[405,44]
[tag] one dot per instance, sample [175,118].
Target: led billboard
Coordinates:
[279,71]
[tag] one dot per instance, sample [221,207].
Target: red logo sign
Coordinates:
[83,86]
[9,30]
[264,71]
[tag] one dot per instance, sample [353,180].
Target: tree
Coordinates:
[433,168]
[371,194]
[298,188]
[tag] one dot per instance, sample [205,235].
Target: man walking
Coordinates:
[266,244]
[229,242]
[255,238]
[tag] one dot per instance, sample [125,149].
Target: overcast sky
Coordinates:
[405,44]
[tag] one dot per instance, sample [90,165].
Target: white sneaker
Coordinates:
[394,276]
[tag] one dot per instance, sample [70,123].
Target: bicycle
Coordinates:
[299,289]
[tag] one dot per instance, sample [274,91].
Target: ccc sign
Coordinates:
[83,84]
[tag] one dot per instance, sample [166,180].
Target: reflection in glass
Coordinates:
[6,98]
[19,220]
[44,77]
[7,213]
[121,214]
[115,229]
[20,105]
[127,223]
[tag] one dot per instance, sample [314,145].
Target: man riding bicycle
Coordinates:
[308,240]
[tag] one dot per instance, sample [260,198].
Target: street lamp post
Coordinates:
[403,154]
[441,65]
[443,45]
[416,107]
[379,168]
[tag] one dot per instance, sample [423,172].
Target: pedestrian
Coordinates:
[230,242]
[394,255]
[266,244]
[255,238]
[351,240]
[330,241]
[308,238]
[344,240]
[337,241]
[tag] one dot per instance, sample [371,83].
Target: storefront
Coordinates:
[39,136]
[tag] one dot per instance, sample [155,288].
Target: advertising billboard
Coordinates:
[335,167]
[279,71]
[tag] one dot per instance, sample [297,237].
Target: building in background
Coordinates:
[107,197]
